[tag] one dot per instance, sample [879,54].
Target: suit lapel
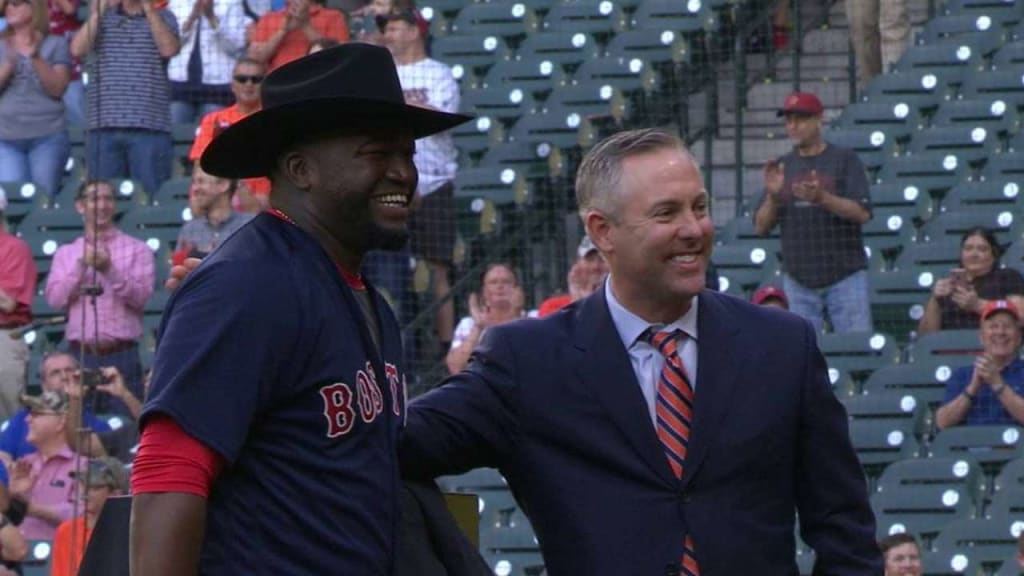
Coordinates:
[717,365]
[604,368]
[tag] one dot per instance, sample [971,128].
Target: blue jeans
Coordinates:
[183,112]
[39,160]
[847,301]
[74,103]
[142,155]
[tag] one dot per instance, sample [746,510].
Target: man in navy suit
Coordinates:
[656,427]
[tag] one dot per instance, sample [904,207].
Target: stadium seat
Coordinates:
[470,53]
[534,76]
[1010,567]
[920,90]
[922,510]
[885,235]
[45,229]
[897,406]
[562,128]
[858,352]
[654,46]
[989,541]
[955,347]
[515,536]
[1003,84]
[1010,54]
[881,442]
[1009,479]
[969,143]
[898,298]
[742,269]
[902,197]
[501,185]
[977,31]
[565,48]
[932,173]
[951,62]
[22,198]
[957,562]
[996,117]
[924,379]
[40,556]
[511,21]
[631,75]
[938,256]
[533,161]
[962,472]
[873,145]
[952,225]
[505,105]
[158,226]
[476,136]
[880,116]
[673,15]
[998,195]
[992,446]
[475,480]
[842,383]
[1007,166]
[515,563]
[592,100]
[1004,13]
[1008,503]
[603,19]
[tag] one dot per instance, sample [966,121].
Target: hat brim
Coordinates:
[783,112]
[249,147]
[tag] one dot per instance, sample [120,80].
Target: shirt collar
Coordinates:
[631,327]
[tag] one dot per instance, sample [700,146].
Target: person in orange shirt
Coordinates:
[285,35]
[252,194]
[103,478]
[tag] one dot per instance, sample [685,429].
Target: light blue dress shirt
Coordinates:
[646,359]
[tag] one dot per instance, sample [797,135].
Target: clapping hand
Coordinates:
[22,479]
[988,371]
[809,189]
[774,178]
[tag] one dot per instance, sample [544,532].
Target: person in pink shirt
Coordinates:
[17,285]
[42,482]
[114,271]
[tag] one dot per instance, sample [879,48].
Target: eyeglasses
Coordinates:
[243,78]
[18,2]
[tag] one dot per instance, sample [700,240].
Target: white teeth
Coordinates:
[394,200]
[685,258]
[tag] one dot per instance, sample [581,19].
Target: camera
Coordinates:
[92,378]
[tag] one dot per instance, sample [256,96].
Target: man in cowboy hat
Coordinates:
[269,437]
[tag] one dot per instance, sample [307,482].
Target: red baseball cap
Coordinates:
[767,293]
[801,103]
[996,306]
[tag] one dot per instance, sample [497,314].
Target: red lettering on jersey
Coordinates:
[378,398]
[338,409]
[391,371]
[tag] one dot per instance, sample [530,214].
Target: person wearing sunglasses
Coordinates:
[212,36]
[252,194]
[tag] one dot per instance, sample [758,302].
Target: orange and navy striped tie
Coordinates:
[674,411]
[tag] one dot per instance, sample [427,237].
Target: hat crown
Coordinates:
[353,70]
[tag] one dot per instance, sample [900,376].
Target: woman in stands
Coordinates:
[500,300]
[35,68]
[957,300]
[902,555]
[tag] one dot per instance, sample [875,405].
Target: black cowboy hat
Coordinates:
[352,85]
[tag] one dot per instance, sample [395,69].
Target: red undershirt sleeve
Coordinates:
[169,460]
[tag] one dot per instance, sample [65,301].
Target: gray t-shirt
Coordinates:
[128,84]
[818,247]
[199,236]
[26,111]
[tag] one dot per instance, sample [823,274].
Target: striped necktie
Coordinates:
[674,411]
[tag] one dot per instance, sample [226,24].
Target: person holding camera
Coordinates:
[94,442]
[957,301]
[991,392]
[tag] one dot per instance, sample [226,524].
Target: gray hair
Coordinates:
[600,172]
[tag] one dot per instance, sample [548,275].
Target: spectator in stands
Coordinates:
[364,20]
[770,296]
[586,275]
[64,22]
[991,391]
[285,35]
[199,236]
[123,269]
[500,300]
[103,478]
[957,300]
[902,555]
[879,30]
[119,442]
[247,77]
[34,71]
[17,288]
[818,194]
[58,372]
[429,84]
[128,101]
[212,38]
[42,481]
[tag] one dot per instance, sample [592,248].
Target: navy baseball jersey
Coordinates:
[264,356]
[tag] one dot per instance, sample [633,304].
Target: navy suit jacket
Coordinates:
[555,405]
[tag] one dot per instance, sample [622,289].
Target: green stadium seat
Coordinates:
[881,442]
[173,191]
[534,161]
[158,226]
[902,197]
[952,225]
[566,48]
[842,383]
[901,406]
[558,127]
[919,90]
[22,198]
[992,446]
[988,541]
[40,556]
[962,472]
[954,347]
[1005,13]
[468,54]
[1010,478]
[937,256]
[898,298]
[501,185]
[509,20]
[951,62]
[514,536]
[505,105]
[45,229]
[957,562]
[858,352]
[977,31]
[602,19]
[881,116]
[1010,54]
[596,102]
[972,144]
[873,145]
[1003,85]
[674,15]
[885,235]
[994,194]
[742,269]
[654,46]
[922,510]
[931,173]
[996,117]
[476,136]
[631,75]
[924,379]
[534,76]
[1005,166]
[1010,567]
[1007,502]
[515,563]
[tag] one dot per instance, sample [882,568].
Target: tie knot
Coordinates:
[664,341]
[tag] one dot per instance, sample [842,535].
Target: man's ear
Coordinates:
[297,167]
[599,229]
